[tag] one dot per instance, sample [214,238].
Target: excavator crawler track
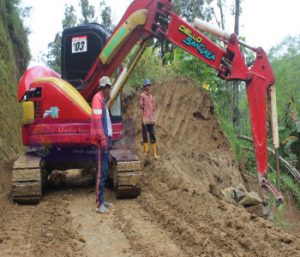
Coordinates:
[126,173]
[27,179]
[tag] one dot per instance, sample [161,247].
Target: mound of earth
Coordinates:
[182,189]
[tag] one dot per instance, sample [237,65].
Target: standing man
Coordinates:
[100,133]
[147,107]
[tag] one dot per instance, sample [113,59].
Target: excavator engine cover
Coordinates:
[81,46]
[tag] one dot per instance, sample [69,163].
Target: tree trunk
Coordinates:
[220,5]
[237,17]
[235,89]
[291,169]
[162,51]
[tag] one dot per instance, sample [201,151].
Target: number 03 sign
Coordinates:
[79,44]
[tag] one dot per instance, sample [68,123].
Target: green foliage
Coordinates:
[290,146]
[287,74]
[106,16]
[287,185]
[87,11]
[150,66]
[17,33]
[54,54]
[70,18]
[183,63]
[279,219]
[14,56]
[289,47]
[192,9]
[285,60]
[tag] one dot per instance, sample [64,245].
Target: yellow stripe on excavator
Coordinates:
[138,18]
[70,91]
[119,84]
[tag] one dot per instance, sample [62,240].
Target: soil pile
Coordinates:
[182,188]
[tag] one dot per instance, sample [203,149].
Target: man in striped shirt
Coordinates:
[147,109]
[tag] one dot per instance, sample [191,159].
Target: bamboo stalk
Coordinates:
[292,170]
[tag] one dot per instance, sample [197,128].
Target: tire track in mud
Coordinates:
[145,236]
[127,230]
[101,236]
[42,230]
[53,231]
[15,226]
[15,221]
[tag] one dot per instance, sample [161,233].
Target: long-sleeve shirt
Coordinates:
[147,107]
[109,126]
[99,124]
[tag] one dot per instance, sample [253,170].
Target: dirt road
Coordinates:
[65,224]
[180,211]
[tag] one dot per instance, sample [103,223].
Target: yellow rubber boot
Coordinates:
[154,148]
[146,148]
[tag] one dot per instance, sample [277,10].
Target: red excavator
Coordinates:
[56,111]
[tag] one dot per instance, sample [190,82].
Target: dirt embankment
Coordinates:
[5,184]
[14,57]
[180,211]
[182,189]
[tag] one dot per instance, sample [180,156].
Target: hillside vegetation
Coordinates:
[14,57]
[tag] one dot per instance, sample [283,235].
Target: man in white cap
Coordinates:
[101,133]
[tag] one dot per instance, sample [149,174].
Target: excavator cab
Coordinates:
[79,50]
[80,47]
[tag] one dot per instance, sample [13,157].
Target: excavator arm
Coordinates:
[147,19]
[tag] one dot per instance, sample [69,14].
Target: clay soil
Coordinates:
[180,211]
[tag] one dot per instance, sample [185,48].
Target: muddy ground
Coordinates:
[180,211]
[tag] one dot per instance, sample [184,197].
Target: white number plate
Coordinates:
[79,44]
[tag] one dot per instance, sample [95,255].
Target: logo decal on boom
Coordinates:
[195,41]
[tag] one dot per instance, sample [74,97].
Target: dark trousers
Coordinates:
[149,128]
[101,174]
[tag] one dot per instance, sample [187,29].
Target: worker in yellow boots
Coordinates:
[147,107]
